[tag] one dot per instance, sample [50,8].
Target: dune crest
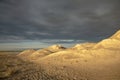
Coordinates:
[56,47]
[111,43]
[26,53]
[108,44]
[86,61]
[116,35]
[33,55]
[84,46]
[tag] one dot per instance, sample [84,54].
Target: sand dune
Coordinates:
[33,55]
[111,43]
[43,52]
[26,53]
[116,35]
[84,46]
[87,61]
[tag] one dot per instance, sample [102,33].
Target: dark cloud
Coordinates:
[64,19]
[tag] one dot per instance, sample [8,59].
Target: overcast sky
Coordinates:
[58,19]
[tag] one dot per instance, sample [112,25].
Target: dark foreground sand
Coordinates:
[91,61]
[67,67]
[13,68]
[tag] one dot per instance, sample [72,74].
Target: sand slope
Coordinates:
[88,61]
[33,55]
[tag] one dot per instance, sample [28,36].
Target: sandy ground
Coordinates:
[63,65]
[88,61]
[14,68]
[83,66]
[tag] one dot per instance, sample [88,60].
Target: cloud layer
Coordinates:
[58,19]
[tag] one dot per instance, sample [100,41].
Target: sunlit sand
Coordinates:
[87,61]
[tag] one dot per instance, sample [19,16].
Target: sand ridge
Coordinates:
[87,61]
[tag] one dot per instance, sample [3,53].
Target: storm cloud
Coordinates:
[58,19]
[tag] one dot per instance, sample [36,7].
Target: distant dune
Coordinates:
[26,53]
[87,61]
[111,43]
